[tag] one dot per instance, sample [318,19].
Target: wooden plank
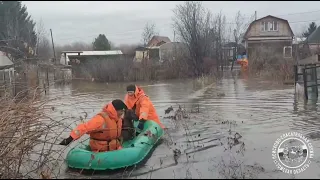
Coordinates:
[316,81]
[305,83]
[312,67]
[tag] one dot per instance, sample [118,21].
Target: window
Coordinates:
[275,25]
[287,51]
[262,26]
[269,26]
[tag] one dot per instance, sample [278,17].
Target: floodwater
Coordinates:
[258,110]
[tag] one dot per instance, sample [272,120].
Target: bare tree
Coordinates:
[149,31]
[219,29]
[127,48]
[193,25]
[43,48]
[298,32]
[240,27]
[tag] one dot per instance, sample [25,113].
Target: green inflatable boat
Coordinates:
[132,152]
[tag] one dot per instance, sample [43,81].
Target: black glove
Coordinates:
[67,141]
[141,124]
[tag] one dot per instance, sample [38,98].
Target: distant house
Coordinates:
[141,53]
[231,50]
[152,51]
[87,55]
[313,41]
[159,54]
[6,68]
[98,65]
[170,50]
[158,41]
[270,32]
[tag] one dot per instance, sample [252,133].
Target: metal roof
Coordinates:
[154,47]
[71,51]
[4,60]
[94,53]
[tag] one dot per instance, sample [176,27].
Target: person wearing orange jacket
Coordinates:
[138,101]
[104,128]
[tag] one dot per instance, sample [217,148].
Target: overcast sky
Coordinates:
[123,21]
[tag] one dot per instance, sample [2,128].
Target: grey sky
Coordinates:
[122,22]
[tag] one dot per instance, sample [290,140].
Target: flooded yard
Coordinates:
[203,145]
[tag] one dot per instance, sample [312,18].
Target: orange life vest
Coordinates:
[104,130]
[142,106]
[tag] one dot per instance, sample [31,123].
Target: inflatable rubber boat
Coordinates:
[132,152]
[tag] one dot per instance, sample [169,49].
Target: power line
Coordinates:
[116,34]
[306,21]
[306,12]
[299,13]
[141,29]
[133,37]
[293,21]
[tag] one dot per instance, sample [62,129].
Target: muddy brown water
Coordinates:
[258,110]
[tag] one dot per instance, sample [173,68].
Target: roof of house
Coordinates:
[314,37]
[4,60]
[93,53]
[269,16]
[159,39]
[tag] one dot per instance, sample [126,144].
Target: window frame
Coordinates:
[284,51]
[265,26]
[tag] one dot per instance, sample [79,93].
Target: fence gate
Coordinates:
[307,75]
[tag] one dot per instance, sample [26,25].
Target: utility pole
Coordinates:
[54,53]
[175,49]
[235,50]
[255,15]
[37,45]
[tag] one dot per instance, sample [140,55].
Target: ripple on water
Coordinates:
[261,112]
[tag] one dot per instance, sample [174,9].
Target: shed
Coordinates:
[6,67]
[65,54]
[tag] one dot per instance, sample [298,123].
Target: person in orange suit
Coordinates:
[138,101]
[104,128]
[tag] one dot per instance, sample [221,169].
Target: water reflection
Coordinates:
[262,112]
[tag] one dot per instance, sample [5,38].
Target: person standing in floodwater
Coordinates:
[244,66]
[141,104]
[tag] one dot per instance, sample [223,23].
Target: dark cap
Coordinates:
[119,105]
[131,87]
